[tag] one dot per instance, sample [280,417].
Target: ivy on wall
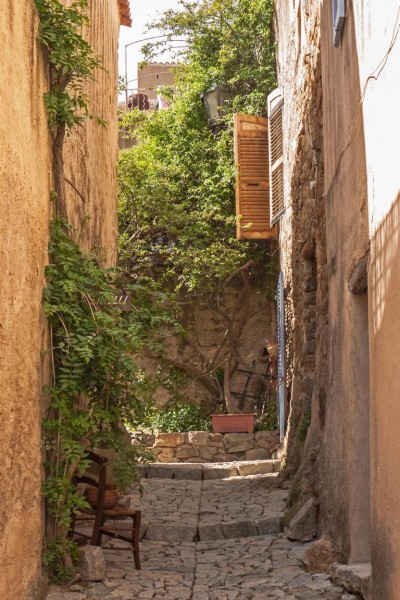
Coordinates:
[72,64]
[95,384]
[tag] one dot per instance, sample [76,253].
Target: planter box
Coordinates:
[241,423]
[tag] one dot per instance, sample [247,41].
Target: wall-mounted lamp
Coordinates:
[215,99]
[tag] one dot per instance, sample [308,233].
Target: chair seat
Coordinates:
[119,511]
[113,513]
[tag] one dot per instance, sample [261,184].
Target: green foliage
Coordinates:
[302,429]
[71,60]
[228,41]
[176,417]
[179,414]
[96,385]
[268,421]
[176,186]
[53,558]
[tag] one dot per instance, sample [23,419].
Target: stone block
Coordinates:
[141,469]
[239,529]
[147,439]
[256,468]
[310,329]
[170,439]
[355,577]
[198,438]
[277,465]
[222,458]
[310,298]
[320,556]
[238,438]
[303,526]
[310,285]
[216,438]
[268,525]
[185,451]
[189,472]
[91,563]
[115,573]
[166,454]
[210,532]
[211,471]
[160,471]
[266,439]
[207,452]
[239,447]
[161,532]
[258,454]
[195,459]
[308,347]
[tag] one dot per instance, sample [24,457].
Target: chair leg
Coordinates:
[71,529]
[135,539]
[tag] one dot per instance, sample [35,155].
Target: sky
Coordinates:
[142,12]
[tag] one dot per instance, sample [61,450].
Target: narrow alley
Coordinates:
[208,534]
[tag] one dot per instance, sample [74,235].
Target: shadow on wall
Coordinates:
[385,417]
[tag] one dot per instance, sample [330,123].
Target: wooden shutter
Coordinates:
[252,178]
[275,114]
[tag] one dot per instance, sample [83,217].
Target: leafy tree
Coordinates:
[176,185]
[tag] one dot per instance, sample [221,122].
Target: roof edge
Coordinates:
[125,12]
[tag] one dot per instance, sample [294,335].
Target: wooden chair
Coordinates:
[101,516]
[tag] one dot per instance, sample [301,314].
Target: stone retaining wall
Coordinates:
[203,447]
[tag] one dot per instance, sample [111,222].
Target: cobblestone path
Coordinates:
[208,540]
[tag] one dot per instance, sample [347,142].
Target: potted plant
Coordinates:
[233,423]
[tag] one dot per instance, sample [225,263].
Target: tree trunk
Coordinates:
[58,172]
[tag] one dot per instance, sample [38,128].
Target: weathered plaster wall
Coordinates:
[24,190]
[344,467]
[25,184]
[91,152]
[205,347]
[378,53]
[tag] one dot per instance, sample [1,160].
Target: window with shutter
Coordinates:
[252,178]
[275,113]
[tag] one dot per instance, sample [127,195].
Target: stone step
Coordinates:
[243,528]
[354,577]
[200,471]
[176,510]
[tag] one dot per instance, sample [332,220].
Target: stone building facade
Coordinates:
[339,247]
[25,185]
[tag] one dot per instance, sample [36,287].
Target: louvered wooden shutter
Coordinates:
[252,178]
[275,113]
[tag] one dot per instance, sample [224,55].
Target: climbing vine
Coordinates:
[72,64]
[95,385]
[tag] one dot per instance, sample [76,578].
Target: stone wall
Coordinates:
[303,240]
[339,249]
[206,339]
[203,447]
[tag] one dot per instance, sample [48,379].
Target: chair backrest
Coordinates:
[99,480]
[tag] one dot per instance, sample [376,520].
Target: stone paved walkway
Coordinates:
[208,540]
